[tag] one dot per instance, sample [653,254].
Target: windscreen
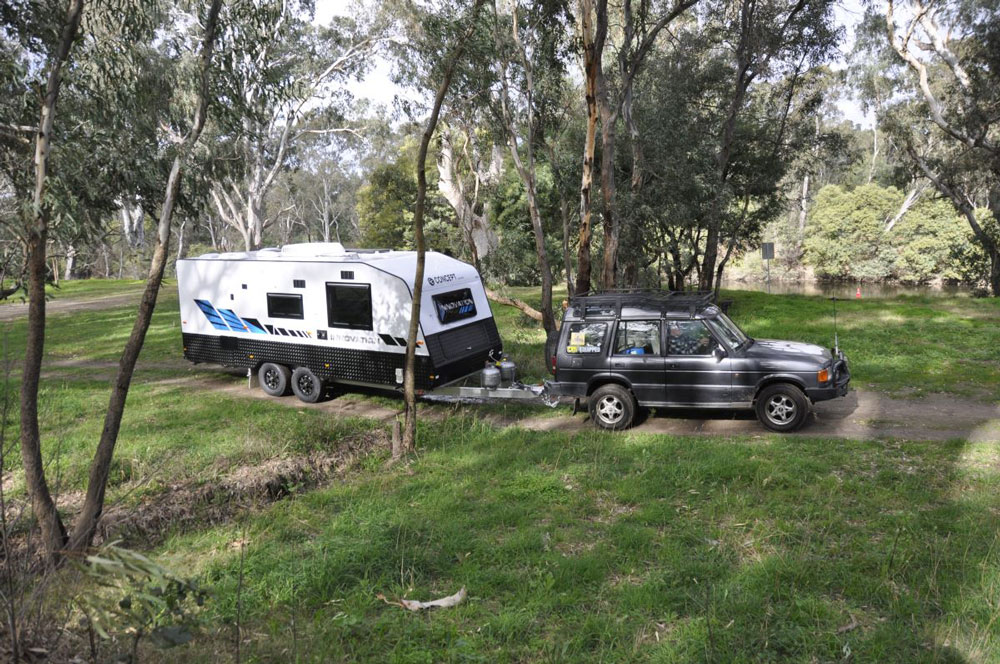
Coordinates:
[728,330]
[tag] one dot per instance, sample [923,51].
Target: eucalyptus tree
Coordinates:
[722,115]
[767,46]
[469,166]
[948,113]
[530,56]
[55,47]
[294,86]
[437,41]
[185,137]
[81,164]
[609,99]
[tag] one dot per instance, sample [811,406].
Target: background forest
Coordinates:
[629,143]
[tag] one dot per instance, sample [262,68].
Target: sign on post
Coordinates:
[767,253]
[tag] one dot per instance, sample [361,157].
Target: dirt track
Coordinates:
[862,414]
[14,310]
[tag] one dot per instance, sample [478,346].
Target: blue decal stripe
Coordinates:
[211,315]
[233,320]
[254,325]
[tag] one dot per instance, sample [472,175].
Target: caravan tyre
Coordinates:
[274,379]
[306,385]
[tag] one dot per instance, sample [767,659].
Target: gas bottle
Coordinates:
[508,370]
[490,377]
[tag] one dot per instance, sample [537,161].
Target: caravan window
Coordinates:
[349,306]
[455,305]
[283,305]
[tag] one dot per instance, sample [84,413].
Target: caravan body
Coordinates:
[342,314]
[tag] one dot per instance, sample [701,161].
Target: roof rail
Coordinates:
[662,300]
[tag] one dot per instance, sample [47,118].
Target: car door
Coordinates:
[582,353]
[695,376]
[637,356]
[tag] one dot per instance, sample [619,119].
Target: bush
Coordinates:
[846,238]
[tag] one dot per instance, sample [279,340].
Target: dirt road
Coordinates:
[862,414]
[14,310]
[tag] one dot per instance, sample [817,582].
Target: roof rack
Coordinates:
[659,300]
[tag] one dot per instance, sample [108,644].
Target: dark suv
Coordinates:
[679,350]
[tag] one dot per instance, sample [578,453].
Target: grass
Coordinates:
[573,547]
[85,289]
[631,548]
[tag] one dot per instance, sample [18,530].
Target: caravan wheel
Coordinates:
[274,379]
[306,385]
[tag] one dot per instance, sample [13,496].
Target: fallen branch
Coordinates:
[414,605]
[526,308]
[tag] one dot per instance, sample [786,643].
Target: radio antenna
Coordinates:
[836,341]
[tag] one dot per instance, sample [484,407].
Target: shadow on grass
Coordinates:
[597,547]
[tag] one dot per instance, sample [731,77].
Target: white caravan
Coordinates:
[307,315]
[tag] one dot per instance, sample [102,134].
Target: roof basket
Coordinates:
[661,300]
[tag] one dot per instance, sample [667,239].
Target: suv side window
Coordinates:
[586,338]
[638,337]
[688,337]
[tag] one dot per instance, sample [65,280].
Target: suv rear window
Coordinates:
[638,337]
[586,338]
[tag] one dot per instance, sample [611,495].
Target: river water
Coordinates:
[842,290]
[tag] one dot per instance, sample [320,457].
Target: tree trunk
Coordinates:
[526,169]
[181,247]
[528,175]
[911,198]
[70,262]
[409,379]
[609,219]
[42,503]
[567,257]
[593,48]
[524,307]
[93,505]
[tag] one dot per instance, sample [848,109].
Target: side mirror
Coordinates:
[719,352]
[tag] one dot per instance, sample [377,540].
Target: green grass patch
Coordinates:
[628,548]
[85,289]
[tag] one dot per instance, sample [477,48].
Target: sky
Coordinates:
[379,88]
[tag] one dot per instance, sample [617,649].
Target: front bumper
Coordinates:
[841,382]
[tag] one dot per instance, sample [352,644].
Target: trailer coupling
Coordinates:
[513,391]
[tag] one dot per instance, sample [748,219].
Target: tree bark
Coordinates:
[93,505]
[409,379]
[964,205]
[593,48]
[42,503]
[524,307]
[526,168]
[70,262]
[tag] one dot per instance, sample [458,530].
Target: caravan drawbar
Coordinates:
[308,315]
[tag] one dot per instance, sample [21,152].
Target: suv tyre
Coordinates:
[782,407]
[612,407]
